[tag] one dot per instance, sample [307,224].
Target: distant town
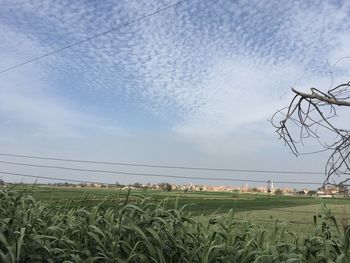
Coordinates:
[269,188]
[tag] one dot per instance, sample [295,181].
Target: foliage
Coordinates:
[312,193]
[278,192]
[137,185]
[143,231]
[165,186]
[255,190]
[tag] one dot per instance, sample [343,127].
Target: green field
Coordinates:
[43,224]
[296,211]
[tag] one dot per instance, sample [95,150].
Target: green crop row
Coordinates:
[145,231]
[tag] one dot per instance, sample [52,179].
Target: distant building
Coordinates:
[287,190]
[324,193]
[270,187]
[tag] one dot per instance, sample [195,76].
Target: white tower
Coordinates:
[272,188]
[269,186]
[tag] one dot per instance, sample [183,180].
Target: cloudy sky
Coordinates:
[193,85]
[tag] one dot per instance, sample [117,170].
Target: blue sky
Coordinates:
[194,85]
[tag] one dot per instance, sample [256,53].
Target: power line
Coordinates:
[93,37]
[53,178]
[163,166]
[127,173]
[156,175]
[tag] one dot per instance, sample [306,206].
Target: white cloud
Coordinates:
[210,69]
[28,104]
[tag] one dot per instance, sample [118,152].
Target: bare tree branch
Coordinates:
[325,98]
[310,113]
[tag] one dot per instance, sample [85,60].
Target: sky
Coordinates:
[194,85]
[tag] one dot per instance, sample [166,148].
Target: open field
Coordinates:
[296,211]
[299,219]
[200,202]
[145,230]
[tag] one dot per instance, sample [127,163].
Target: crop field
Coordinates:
[71,225]
[296,211]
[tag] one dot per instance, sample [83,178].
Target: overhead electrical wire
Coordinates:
[92,37]
[53,178]
[157,175]
[163,166]
[131,164]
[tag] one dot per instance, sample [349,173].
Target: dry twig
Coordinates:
[310,113]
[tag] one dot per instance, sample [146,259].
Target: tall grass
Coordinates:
[144,231]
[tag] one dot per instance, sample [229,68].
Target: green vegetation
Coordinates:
[201,202]
[278,192]
[144,229]
[259,208]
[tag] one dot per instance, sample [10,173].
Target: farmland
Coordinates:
[128,227]
[296,211]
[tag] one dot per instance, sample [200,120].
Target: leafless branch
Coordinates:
[308,114]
